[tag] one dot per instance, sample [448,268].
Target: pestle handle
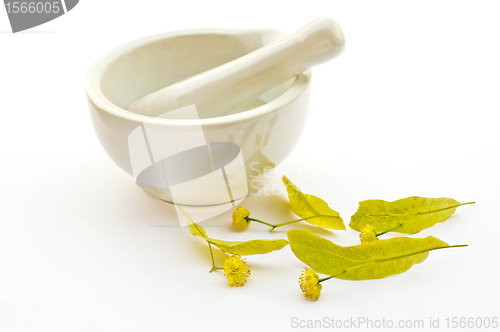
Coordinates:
[219,90]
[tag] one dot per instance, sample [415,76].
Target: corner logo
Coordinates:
[28,14]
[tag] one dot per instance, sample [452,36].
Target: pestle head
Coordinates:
[221,90]
[323,42]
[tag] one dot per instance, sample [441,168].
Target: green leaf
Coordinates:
[408,215]
[195,229]
[312,209]
[251,247]
[374,260]
[242,248]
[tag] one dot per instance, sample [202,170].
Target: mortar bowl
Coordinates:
[186,157]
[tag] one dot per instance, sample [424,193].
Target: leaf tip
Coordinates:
[285,180]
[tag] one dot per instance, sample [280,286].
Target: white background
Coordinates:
[410,108]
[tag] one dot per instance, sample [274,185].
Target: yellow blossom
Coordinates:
[236,270]
[240,220]
[309,285]
[368,234]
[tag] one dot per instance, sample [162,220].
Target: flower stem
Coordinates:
[330,277]
[262,222]
[212,256]
[273,226]
[382,233]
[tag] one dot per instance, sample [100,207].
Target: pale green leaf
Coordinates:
[251,247]
[312,209]
[408,215]
[243,248]
[374,260]
[196,229]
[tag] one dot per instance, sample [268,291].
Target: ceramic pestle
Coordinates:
[220,90]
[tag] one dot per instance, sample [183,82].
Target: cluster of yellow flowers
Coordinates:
[368,234]
[309,284]
[236,270]
[240,218]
